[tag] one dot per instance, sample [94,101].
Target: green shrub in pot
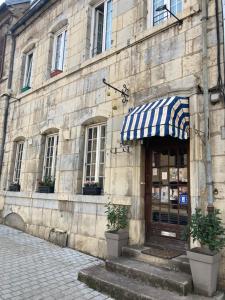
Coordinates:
[117,233]
[208,230]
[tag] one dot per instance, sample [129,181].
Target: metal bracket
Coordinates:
[123,149]
[198,133]
[124,92]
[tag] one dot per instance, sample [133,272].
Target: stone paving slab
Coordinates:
[31,268]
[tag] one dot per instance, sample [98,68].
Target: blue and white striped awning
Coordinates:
[164,117]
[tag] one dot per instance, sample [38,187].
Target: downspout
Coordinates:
[7,99]
[207,146]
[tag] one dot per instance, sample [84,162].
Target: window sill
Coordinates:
[55,73]
[25,88]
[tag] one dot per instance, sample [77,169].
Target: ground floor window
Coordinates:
[94,163]
[18,162]
[50,156]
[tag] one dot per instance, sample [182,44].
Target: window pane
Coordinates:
[103,131]
[158,16]
[50,156]
[18,162]
[29,62]
[108,25]
[58,51]
[176,6]
[99,28]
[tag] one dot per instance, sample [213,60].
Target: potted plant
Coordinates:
[207,229]
[91,188]
[14,187]
[46,186]
[117,233]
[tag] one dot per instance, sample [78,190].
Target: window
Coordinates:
[175,6]
[102,27]
[59,50]
[50,156]
[94,164]
[18,162]
[28,70]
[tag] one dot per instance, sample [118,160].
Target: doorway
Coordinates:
[167,200]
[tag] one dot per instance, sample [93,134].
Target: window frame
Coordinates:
[25,77]
[54,156]
[151,14]
[18,162]
[63,46]
[94,26]
[98,150]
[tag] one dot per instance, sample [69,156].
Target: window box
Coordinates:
[24,89]
[14,187]
[92,190]
[45,189]
[55,72]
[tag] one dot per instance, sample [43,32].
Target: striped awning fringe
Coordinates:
[164,117]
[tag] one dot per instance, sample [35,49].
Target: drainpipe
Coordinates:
[7,99]
[207,148]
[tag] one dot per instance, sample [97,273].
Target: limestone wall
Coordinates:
[153,62]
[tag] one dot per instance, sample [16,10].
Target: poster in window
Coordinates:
[164,194]
[173,175]
[183,176]
[155,175]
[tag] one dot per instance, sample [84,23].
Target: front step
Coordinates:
[121,287]
[154,276]
[180,263]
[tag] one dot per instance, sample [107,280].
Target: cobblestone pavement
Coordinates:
[31,268]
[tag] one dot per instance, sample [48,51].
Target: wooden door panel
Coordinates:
[167,188]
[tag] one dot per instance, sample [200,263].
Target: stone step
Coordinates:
[151,275]
[121,287]
[179,264]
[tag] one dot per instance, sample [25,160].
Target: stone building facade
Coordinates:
[60,61]
[10,12]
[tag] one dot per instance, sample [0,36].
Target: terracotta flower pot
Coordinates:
[204,269]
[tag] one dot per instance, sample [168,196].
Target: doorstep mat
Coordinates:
[162,252]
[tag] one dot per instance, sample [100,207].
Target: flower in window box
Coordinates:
[46,186]
[91,188]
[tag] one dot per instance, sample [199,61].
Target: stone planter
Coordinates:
[89,190]
[115,242]
[45,189]
[204,269]
[14,187]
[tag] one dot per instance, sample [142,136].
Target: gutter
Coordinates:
[207,145]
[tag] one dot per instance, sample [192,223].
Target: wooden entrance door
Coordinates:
[167,201]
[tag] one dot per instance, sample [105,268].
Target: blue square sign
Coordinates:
[183,199]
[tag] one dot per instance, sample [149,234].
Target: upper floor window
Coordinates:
[50,157]
[102,27]
[18,162]
[28,71]
[175,6]
[59,51]
[94,162]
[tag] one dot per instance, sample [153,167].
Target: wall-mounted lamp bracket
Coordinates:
[124,92]
[164,7]
[123,149]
